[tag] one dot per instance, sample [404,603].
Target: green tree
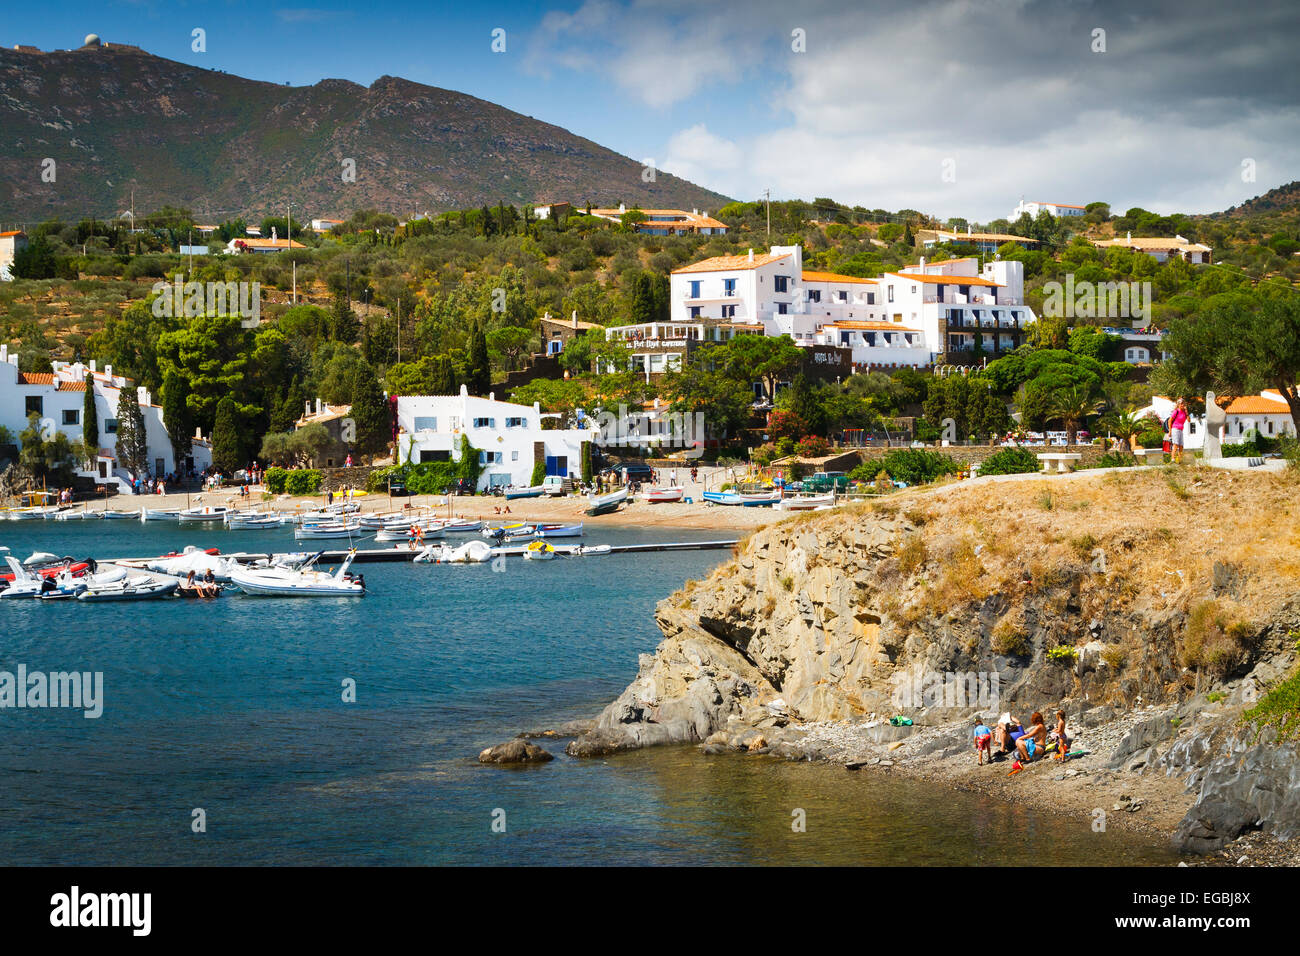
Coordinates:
[767,358]
[370,413]
[509,344]
[90,415]
[227,445]
[176,416]
[478,371]
[132,441]
[344,325]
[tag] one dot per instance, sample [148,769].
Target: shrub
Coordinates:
[1115,657]
[1115,459]
[1213,642]
[915,466]
[1009,639]
[303,481]
[274,480]
[1010,461]
[1279,708]
[1062,654]
[912,554]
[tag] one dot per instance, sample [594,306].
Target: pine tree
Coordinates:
[370,414]
[289,409]
[443,377]
[478,379]
[90,416]
[344,325]
[176,416]
[227,450]
[132,443]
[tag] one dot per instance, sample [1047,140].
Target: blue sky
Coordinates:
[955,107]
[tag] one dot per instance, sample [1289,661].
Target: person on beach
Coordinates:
[1008,732]
[1062,739]
[982,735]
[1176,423]
[1033,740]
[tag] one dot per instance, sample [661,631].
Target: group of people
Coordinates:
[205,587]
[1012,738]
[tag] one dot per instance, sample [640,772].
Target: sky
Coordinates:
[951,107]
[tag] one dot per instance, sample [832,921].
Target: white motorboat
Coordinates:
[159,514]
[197,562]
[471,552]
[117,515]
[25,584]
[80,515]
[457,526]
[805,502]
[589,550]
[517,530]
[299,582]
[410,532]
[606,504]
[254,519]
[559,530]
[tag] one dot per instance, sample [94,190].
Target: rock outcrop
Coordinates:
[517,750]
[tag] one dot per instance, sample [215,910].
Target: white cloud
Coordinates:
[697,154]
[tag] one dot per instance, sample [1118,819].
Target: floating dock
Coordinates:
[400,552]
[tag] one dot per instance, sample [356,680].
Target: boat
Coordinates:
[536,491]
[139,588]
[334,530]
[197,562]
[117,515]
[590,550]
[461,527]
[71,515]
[199,593]
[410,532]
[516,530]
[471,552]
[662,495]
[257,524]
[539,551]
[159,514]
[23,583]
[299,582]
[205,513]
[559,530]
[606,504]
[747,500]
[45,565]
[805,502]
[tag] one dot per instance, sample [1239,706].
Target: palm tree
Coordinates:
[1073,406]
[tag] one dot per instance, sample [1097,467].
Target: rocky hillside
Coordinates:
[222,145]
[1166,589]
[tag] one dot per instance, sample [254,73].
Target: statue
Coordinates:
[1215,422]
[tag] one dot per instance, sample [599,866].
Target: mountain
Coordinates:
[1284,200]
[115,118]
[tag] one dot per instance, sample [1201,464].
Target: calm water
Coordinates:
[235,706]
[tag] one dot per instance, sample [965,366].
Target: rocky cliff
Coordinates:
[1164,588]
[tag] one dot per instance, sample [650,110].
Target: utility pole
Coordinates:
[768,194]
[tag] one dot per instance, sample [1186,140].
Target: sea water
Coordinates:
[227,735]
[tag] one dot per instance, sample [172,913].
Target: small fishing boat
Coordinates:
[299,582]
[590,550]
[140,588]
[662,495]
[410,532]
[516,530]
[559,530]
[204,514]
[539,551]
[747,500]
[606,504]
[335,530]
[536,491]
[805,502]
[71,515]
[461,527]
[117,515]
[160,514]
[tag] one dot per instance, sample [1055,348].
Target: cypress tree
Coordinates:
[90,416]
[132,443]
[370,413]
[176,416]
[227,450]
[479,372]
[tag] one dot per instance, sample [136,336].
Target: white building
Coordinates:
[1058,209]
[11,243]
[324,225]
[237,246]
[1179,247]
[1266,414]
[509,437]
[986,242]
[58,398]
[668,222]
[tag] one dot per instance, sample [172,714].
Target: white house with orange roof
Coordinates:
[986,242]
[238,246]
[1267,414]
[324,225]
[1161,249]
[668,222]
[12,242]
[58,397]
[1060,210]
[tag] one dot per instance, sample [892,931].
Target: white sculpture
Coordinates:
[1215,422]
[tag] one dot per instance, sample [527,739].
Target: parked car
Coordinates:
[557,485]
[631,471]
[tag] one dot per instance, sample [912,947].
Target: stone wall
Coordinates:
[969,453]
[336,479]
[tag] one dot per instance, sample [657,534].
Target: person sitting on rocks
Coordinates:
[1033,740]
[982,737]
[1062,740]
[1009,730]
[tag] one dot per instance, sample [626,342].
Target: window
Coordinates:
[728,286]
[110,426]
[429,454]
[71,416]
[489,458]
[728,311]
[843,295]
[871,298]
[426,423]
[782,308]
[695,289]
[695,311]
[485,423]
[814,295]
[891,293]
[514,423]
[35,404]
[781,283]
[514,455]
